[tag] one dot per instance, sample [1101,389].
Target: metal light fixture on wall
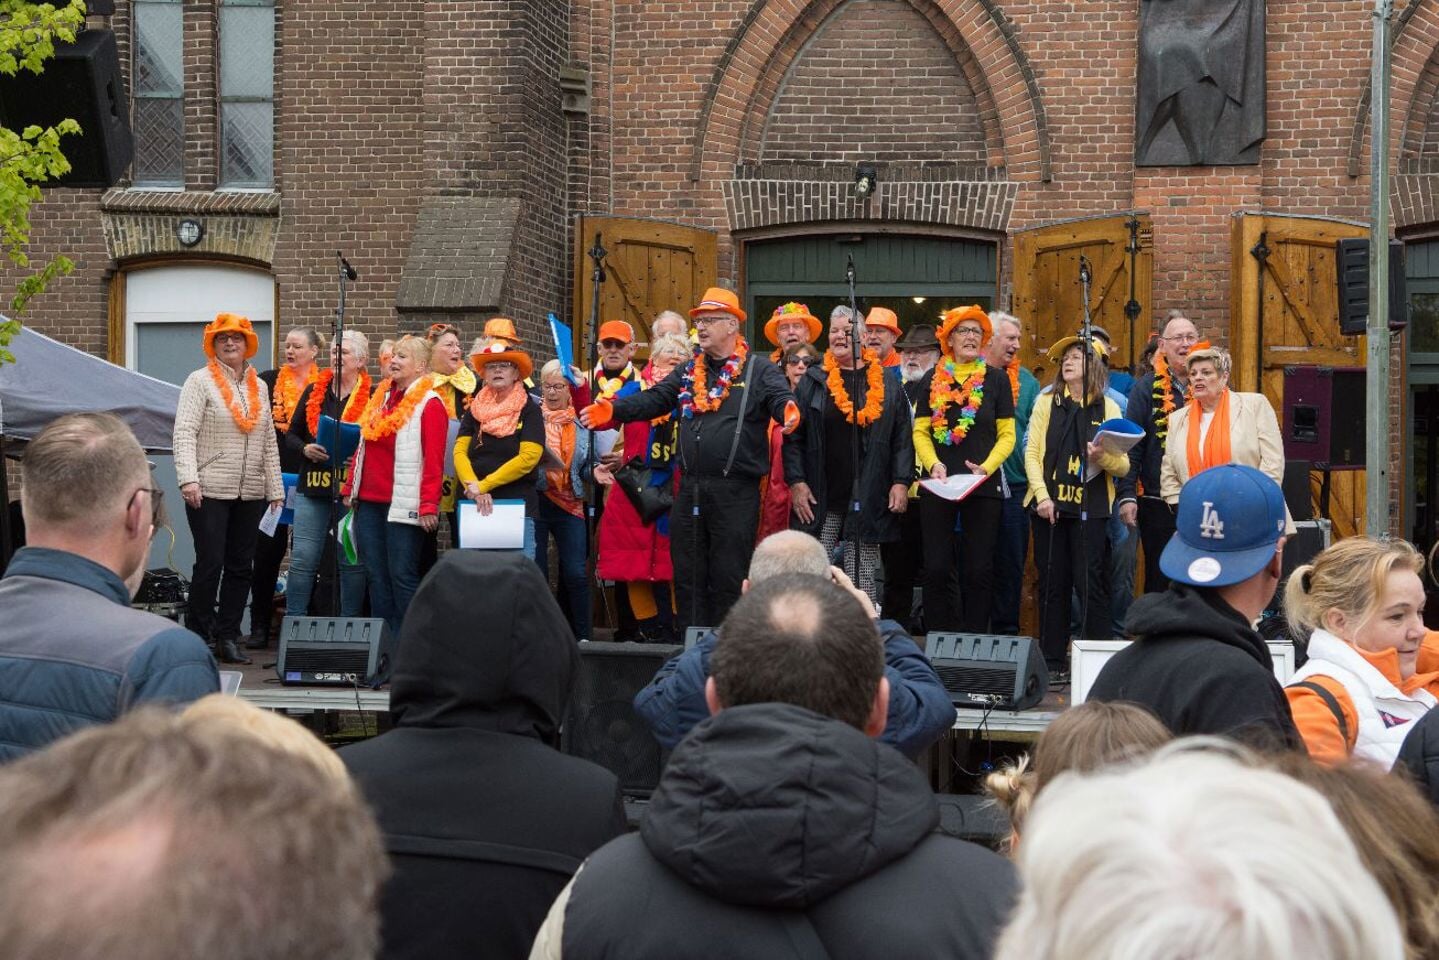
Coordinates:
[865,178]
[189,232]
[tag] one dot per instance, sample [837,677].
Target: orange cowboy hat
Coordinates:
[502,353]
[951,319]
[502,328]
[885,319]
[792,311]
[230,323]
[719,300]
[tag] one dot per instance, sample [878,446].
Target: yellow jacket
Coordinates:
[1113,464]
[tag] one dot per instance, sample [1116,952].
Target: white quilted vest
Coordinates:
[1373,696]
[409,465]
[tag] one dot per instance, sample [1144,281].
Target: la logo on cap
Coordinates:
[1210,525]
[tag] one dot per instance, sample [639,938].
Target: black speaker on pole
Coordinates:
[81,82]
[986,671]
[1352,269]
[600,721]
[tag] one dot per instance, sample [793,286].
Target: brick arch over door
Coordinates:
[772,34]
[1414,96]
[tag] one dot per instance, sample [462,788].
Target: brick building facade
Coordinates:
[428,139]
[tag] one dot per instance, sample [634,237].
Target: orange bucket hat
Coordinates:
[719,300]
[885,319]
[502,353]
[951,319]
[502,328]
[792,311]
[231,323]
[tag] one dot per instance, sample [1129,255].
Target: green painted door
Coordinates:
[1421,261]
[917,277]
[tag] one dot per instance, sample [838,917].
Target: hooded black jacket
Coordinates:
[1198,665]
[484,820]
[776,832]
[1419,755]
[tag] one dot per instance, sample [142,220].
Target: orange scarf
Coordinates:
[1216,441]
[1012,368]
[497,417]
[560,438]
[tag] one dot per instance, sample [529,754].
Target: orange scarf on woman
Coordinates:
[498,418]
[560,438]
[1216,441]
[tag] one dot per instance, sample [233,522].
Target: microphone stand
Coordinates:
[1086,344]
[346,274]
[856,349]
[596,254]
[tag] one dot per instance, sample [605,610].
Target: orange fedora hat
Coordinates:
[502,353]
[719,300]
[231,323]
[885,319]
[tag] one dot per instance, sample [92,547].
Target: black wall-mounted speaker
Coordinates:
[1352,270]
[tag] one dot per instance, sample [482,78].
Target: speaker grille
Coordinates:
[600,722]
[989,679]
[328,658]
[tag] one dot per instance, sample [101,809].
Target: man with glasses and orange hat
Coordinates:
[881,331]
[791,325]
[725,398]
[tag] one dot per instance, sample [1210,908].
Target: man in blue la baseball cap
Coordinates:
[1196,660]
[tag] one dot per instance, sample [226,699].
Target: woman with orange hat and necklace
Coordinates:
[286,383]
[963,423]
[228,465]
[395,482]
[502,436]
[791,325]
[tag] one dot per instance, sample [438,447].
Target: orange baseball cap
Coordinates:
[883,318]
[719,300]
[617,330]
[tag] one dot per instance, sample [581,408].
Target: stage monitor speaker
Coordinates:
[1311,537]
[693,634]
[1352,270]
[81,82]
[1324,415]
[339,651]
[985,671]
[600,721]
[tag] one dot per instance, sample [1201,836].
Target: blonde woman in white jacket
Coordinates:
[228,466]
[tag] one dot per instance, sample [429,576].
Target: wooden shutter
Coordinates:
[650,265]
[1048,296]
[1284,309]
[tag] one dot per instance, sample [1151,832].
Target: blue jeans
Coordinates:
[1010,550]
[1123,554]
[311,530]
[390,553]
[570,536]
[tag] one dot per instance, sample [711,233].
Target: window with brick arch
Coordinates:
[158,114]
[247,94]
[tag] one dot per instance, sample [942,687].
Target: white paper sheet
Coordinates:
[503,529]
[956,486]
[605,441]
[1114,442]
[270,520]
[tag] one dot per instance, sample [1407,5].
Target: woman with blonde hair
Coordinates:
[395,482]
[1218,425]
[1372,669]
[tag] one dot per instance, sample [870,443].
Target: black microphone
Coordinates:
[345,265]
[1084,274]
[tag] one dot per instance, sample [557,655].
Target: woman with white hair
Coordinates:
[1218,425]
[316,511]
[560,508]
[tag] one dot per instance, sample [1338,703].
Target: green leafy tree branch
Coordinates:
[28,32]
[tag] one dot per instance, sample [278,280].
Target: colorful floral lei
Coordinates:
[694,396]
[874,396]
[945,391]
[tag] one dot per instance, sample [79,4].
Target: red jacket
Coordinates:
[629,550]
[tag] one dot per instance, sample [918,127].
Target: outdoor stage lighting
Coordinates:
[865,177]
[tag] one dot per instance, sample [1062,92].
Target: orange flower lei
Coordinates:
[699,398]
[359,398]
[245,421]
[287,395]
[377,426]
[874,396]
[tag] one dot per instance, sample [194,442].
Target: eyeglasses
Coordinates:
[157,505]
[438,330]
[613,344]
[554,387]
[969,331]
[797,361]
[227,337]
[711,321]
[1183,338]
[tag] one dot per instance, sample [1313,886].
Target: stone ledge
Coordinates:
[262,203]
[978,205]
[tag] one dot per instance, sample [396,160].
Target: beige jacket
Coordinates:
[1254,441]
[211,450]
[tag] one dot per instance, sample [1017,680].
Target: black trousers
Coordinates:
[225,532]
[712,530]
[1066,564]
[1156,526]
[959,570]
[903,568]
[269,554]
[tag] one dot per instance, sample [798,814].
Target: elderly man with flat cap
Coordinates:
[724,399]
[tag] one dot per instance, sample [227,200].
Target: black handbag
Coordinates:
[650,502]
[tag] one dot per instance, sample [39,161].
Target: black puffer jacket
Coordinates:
[484,820]
[776,832]
[1198,665]
[1419,755]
